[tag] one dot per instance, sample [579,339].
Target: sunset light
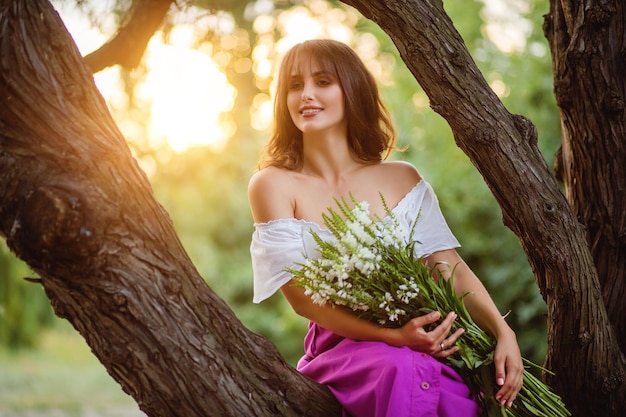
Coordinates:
[186,98]
[189,97]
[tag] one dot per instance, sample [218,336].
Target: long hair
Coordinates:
[371,135]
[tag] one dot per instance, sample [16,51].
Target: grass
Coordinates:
[61,377]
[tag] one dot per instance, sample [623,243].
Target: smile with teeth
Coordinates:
[307,112]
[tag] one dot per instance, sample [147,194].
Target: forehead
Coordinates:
[306,63]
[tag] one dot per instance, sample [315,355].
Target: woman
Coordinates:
[330,134]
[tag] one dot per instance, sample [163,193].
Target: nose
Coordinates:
[307,92]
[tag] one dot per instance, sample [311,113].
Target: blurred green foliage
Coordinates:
[24,307]
[61,377]
[205,194]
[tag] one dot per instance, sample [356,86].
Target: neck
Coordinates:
[328,158]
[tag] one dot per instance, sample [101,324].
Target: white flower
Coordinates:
[318,299]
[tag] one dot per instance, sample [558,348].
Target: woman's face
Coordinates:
[315,101]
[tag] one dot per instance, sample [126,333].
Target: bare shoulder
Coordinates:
[269,194]
[402,172]
[391,179]
[266,178]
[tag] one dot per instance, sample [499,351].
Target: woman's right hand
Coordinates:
[438,342]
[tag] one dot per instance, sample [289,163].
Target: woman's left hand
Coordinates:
[509,368]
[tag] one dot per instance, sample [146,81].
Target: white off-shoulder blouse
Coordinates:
[281,243]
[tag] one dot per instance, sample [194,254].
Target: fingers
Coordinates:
[447,347]
[500,373]
[441,342]
[509,368]
[510,377]
[426,319]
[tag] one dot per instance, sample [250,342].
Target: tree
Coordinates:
[80,212]
[588,62]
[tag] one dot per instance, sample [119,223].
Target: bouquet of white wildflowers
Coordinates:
[370,267]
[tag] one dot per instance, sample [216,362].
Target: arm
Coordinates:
[507,359]
[343,322]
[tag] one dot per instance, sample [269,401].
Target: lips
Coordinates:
[310,111]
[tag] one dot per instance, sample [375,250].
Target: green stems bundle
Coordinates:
[371,268]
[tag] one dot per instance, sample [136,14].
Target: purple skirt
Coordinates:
[373,379]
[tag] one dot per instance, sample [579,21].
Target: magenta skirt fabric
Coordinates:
[373,379]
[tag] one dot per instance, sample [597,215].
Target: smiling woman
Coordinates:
[189,96]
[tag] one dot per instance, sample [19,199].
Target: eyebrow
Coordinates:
[315,74]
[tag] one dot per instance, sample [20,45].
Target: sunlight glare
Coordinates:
[188,93]
[261,114]
[504,24]
[297,25]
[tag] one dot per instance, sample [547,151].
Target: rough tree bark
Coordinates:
[503,148]
[588,47]
[76,207]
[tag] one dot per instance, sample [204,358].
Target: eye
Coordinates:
[294,85]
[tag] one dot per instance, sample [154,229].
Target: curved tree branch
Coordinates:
[129,44]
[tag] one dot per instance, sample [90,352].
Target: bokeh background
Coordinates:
[196,113]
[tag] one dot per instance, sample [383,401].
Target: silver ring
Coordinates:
[442,348]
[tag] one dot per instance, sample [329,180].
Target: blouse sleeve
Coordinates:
[275,246]
[431,230]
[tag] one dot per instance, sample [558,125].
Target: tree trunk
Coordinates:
[77,208]
[588,53]
[503,148]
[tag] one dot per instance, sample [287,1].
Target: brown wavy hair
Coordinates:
[371,135]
